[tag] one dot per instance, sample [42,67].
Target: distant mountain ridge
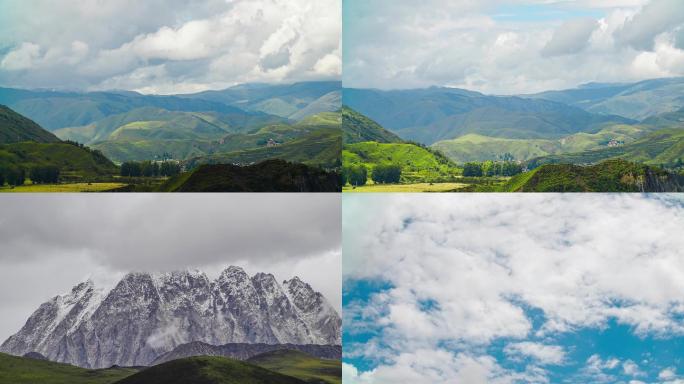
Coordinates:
[146,315]
[432,114]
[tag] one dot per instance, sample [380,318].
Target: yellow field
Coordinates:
[418,187]
[75,187]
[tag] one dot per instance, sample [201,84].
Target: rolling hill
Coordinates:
[15,128]
[267,176]
[472,147]
[433,114]
[41,148]
[23,370]
[417,163]
[208,370]
[300,365]
[608,176]
[665,146]
[358,128]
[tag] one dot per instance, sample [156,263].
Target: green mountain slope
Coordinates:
[608,176]
[208,370]
[474,147]
[15,128]
[329,102]
[74,162]
[149,123]
[665,146]
[267,176]
[358,128]
[21,370]
[417,163]
[300,365]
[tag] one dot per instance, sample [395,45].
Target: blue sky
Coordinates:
[492,289]
[510,47]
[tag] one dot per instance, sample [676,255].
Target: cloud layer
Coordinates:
[51,243]
[176,46]
[470,283]
[510,47]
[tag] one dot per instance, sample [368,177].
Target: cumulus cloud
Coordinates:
[191,45]
[461,273]
[571,37]
[509,47]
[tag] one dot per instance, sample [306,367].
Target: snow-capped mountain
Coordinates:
[146,315]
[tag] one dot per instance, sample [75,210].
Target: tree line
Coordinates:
[150,168]
[40,174]
[491,168]
[357,175]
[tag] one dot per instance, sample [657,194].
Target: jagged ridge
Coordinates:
[146,315]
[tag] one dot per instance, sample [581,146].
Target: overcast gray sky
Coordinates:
[52,242]
[167,46]
[510,46]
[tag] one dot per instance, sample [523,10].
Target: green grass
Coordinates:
[357,128]
[300,365]
[20,370]
[418,164]
[208,370]
[73,187]
[416,187]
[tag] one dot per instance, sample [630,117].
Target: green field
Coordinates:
[73,187]
[300,365]
[415,187]
[20,370]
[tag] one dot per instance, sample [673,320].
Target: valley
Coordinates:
[88,136]
[469,141]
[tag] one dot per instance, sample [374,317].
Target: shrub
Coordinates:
[386,174]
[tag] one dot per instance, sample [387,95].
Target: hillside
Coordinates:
[300,365]
[665,146]
[472,147]
[267,176]
[609,176]
[638,100]
[357,128]
[433,114]
[22,370]
[15,128]
[319,146]
[208,370]
[417,163]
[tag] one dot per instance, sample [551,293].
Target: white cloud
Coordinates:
[480,260]
[22,57]
[544,354]
[474,45]
[571,37]
[210,45]
[667,374]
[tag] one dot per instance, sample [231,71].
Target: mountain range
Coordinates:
[146,315]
